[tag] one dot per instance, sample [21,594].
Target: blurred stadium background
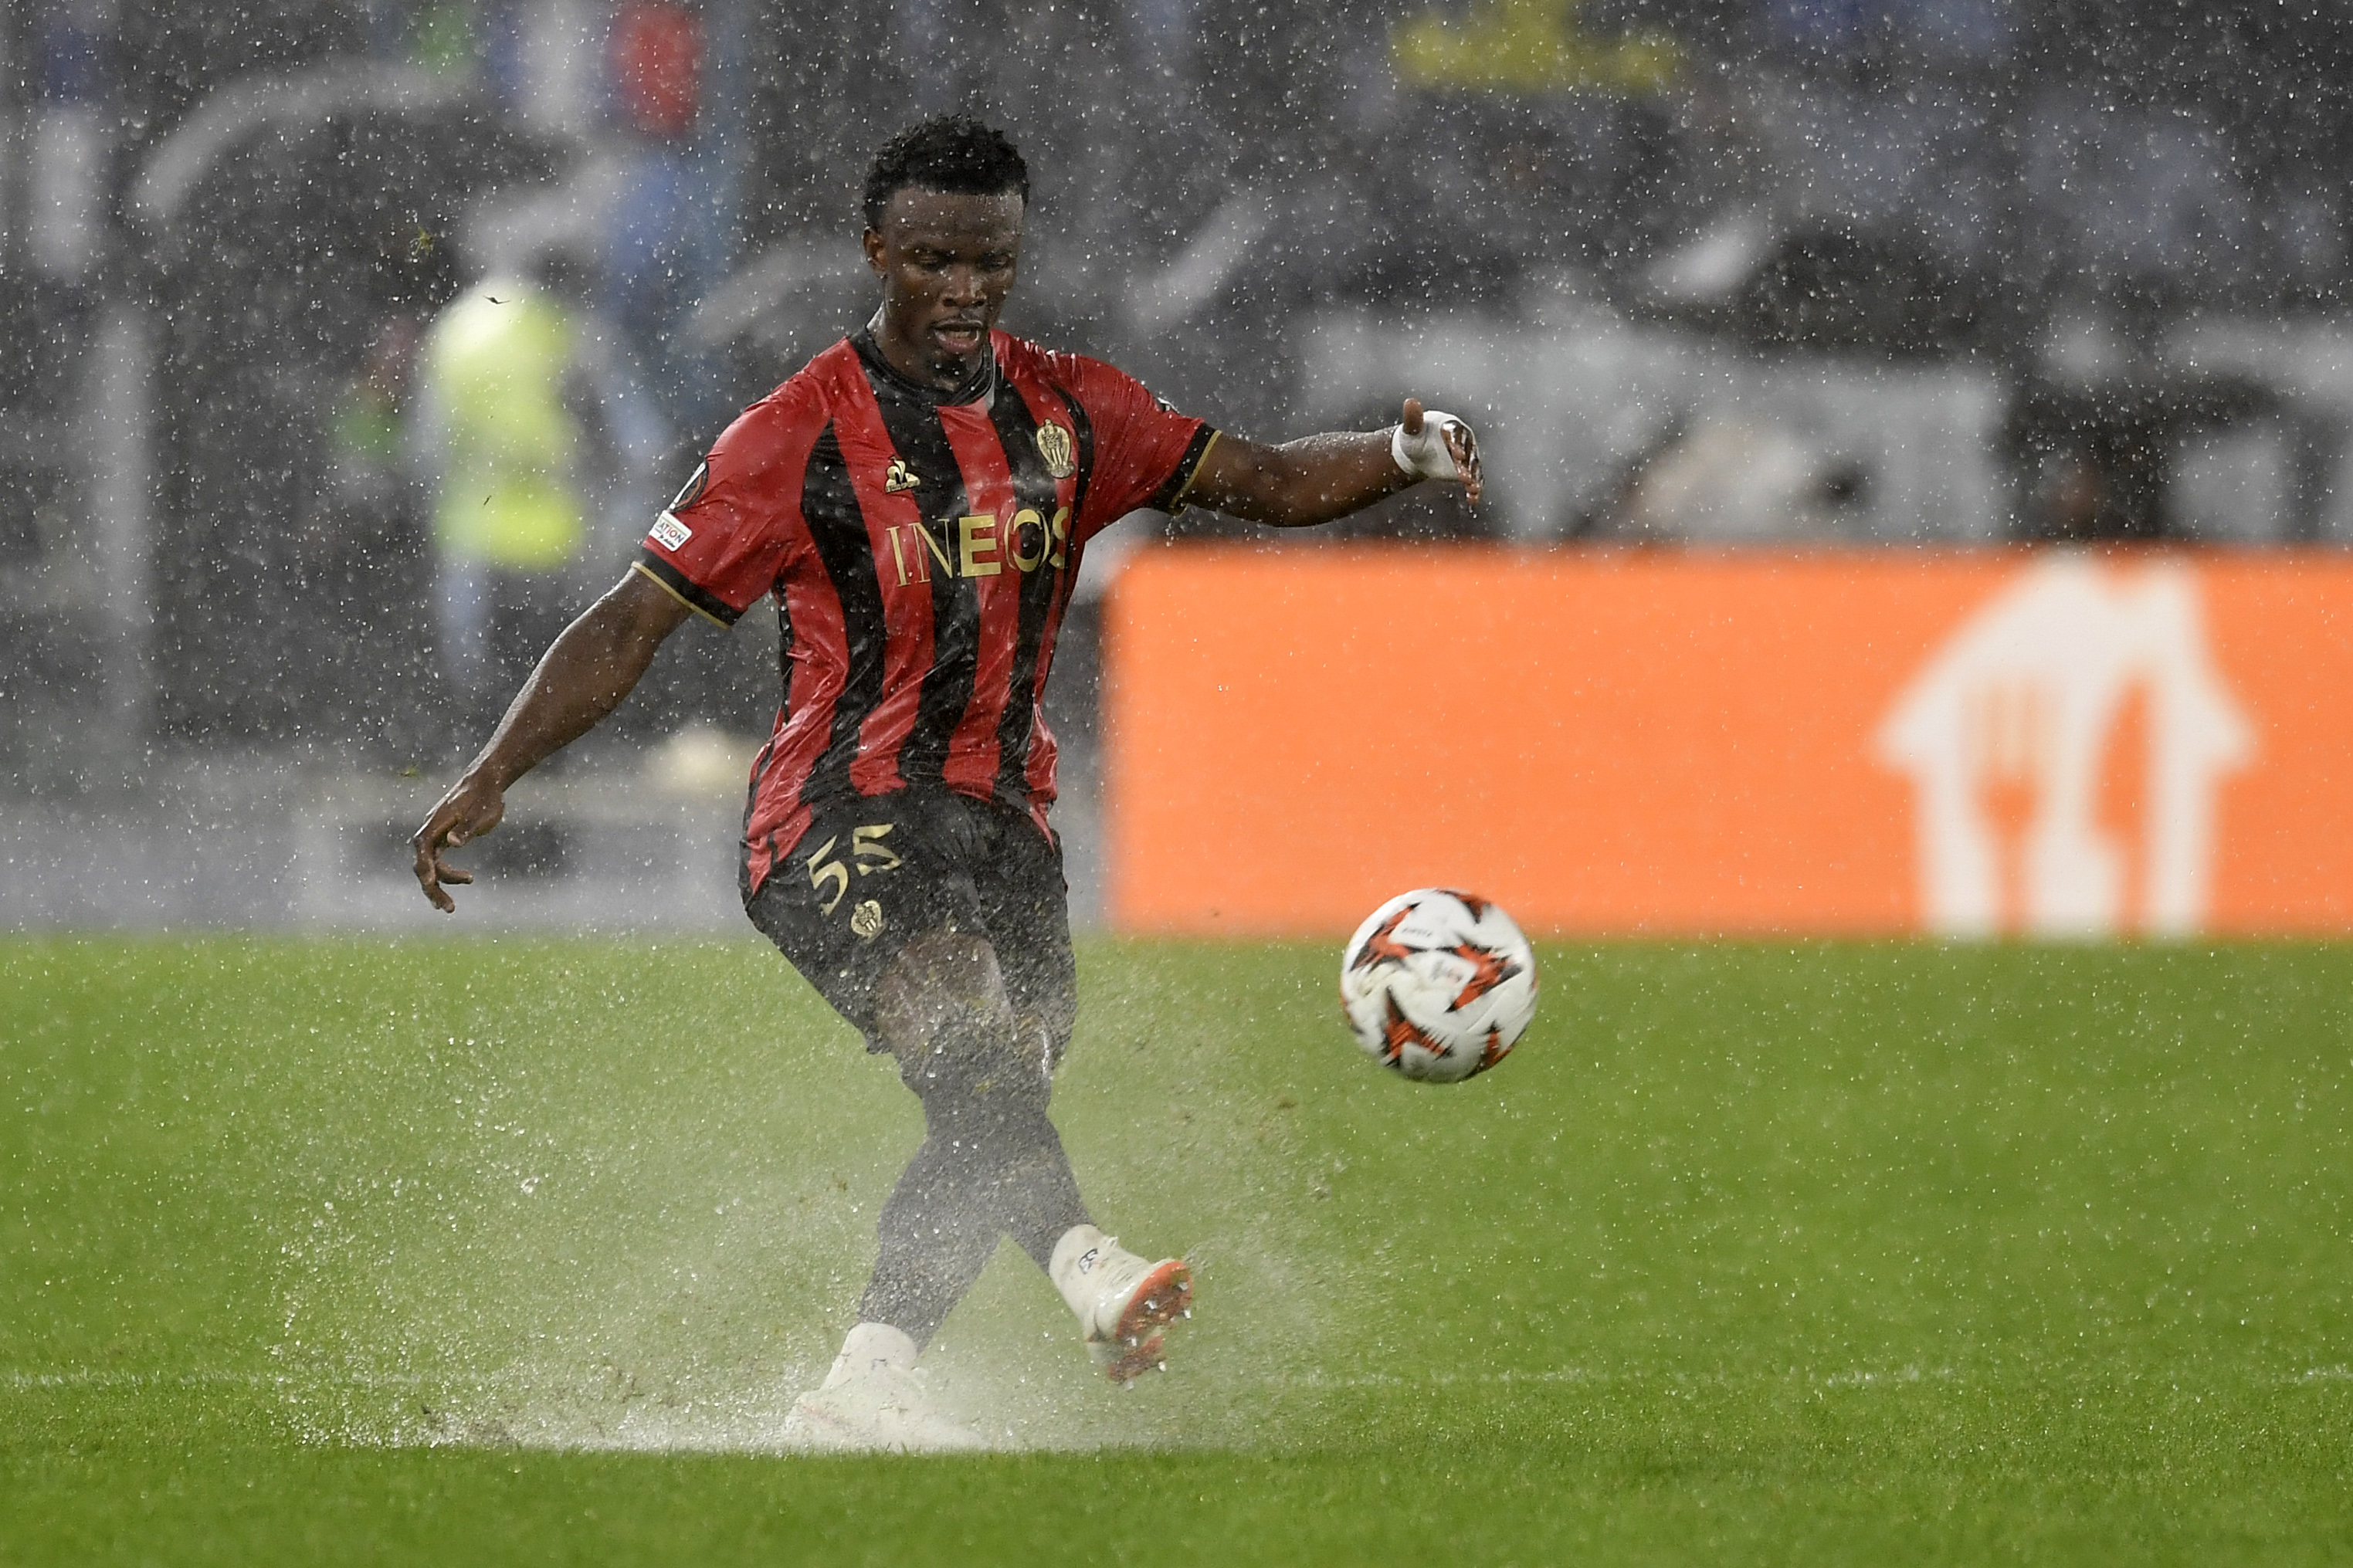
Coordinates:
[1916,278]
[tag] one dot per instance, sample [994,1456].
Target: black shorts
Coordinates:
[871,875]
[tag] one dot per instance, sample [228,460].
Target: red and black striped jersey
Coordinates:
[921,547]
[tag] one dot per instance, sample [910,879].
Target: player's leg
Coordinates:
[1125,1303]
[991,1162]
[868,882]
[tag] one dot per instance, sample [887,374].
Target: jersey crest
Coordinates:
[1055,446]
[899,478]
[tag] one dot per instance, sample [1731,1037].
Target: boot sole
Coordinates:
[1165,1296]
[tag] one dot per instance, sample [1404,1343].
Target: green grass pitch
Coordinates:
[511,1252]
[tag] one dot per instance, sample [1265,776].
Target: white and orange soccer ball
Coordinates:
[1438,984]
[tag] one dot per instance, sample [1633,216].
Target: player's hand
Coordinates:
[1437,445]
[471,808]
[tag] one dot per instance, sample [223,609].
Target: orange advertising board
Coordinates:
[2067,744]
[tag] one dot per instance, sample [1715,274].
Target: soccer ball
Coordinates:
[1437,984]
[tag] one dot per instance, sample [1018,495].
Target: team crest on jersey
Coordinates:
[1054,445]
[899,479]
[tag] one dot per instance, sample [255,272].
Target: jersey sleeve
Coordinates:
[722,542]
[1146,453]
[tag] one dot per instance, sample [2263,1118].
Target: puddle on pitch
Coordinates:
[563,1256]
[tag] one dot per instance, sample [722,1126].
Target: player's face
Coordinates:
[946,263]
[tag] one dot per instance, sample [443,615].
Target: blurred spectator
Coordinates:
[1164,43]
[365,444]
[442,37]
[2127,461]
[670,239]
[1512,138]
[1947,32]
[526,419]
[947,47]
[1529,46]
[1163,48]
[70,139]
[658,68]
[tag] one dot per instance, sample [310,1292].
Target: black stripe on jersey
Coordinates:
[670,577]
[1083,428]
[829,504]
[1033,486]
[913,423]
[1170,496]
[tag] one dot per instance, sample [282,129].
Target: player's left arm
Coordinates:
[1319,477]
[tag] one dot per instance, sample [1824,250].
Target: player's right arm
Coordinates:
[596,661]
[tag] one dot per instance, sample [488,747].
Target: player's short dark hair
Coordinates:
[952,152]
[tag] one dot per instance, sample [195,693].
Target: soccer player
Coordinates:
[917,499]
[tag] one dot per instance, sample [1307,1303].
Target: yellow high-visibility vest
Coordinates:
[495,363]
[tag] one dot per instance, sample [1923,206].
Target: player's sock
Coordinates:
[966,1187]
[1038,1196]
[1123,1302]
[936,1234]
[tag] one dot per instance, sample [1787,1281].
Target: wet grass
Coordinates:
[514,1251]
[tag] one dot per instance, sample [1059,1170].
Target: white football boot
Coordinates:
[1124,1303]
[874,1401]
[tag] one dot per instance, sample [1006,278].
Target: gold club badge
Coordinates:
[1055,446]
